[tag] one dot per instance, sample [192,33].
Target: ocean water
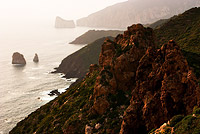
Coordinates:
[24,89]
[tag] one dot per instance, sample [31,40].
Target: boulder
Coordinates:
[54,92]
[18,58]
[36,59]
[88,129]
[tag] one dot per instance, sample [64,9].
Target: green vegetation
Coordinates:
[175,120]
[158,23]
[93,35]
[180,124]
[184,29]
[71,111]
[76,65]
[67,110]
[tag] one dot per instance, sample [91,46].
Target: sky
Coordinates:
[47,10]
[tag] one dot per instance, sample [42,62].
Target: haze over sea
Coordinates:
[24,89]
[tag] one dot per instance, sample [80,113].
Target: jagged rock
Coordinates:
[97,126]
[93,67]
[165,86]
[118,62]
[61,23]
[36,59]
[54,92]
[88,129]
[18,58]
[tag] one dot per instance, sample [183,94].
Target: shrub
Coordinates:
[175,120]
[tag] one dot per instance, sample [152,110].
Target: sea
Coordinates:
[23,89]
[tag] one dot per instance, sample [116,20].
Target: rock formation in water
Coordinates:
[18,58]
[36,59]
[61,23]
[135,88]
[130,12]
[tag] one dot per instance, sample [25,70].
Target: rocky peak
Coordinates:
[118,62]
[165,86]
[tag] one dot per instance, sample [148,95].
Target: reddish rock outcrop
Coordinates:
[118,62]
[165,86]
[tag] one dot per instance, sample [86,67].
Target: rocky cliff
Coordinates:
[135,88]
[184,29]
[61,23]
[136,11]
[165,86]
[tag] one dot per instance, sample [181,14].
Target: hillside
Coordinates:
[184,29]
[76,65]
[130,12]
[93,35]
[157,24]
[135,88]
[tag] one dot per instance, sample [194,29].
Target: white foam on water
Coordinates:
[37,68]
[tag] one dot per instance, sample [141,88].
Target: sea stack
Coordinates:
[61,23]
[18,58]
[36,59]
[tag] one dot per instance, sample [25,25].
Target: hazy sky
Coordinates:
[39,10]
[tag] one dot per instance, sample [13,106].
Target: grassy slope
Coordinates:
[180,124]
[71,112]
[77,64]
[185,30]
[48,120]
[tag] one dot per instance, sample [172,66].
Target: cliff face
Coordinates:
[135,88]
[165,86]
[146,11]
[118,61]
[61,23]
[76,65]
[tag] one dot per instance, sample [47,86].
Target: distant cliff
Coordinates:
[136,11]
[61,23]
[93,35]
